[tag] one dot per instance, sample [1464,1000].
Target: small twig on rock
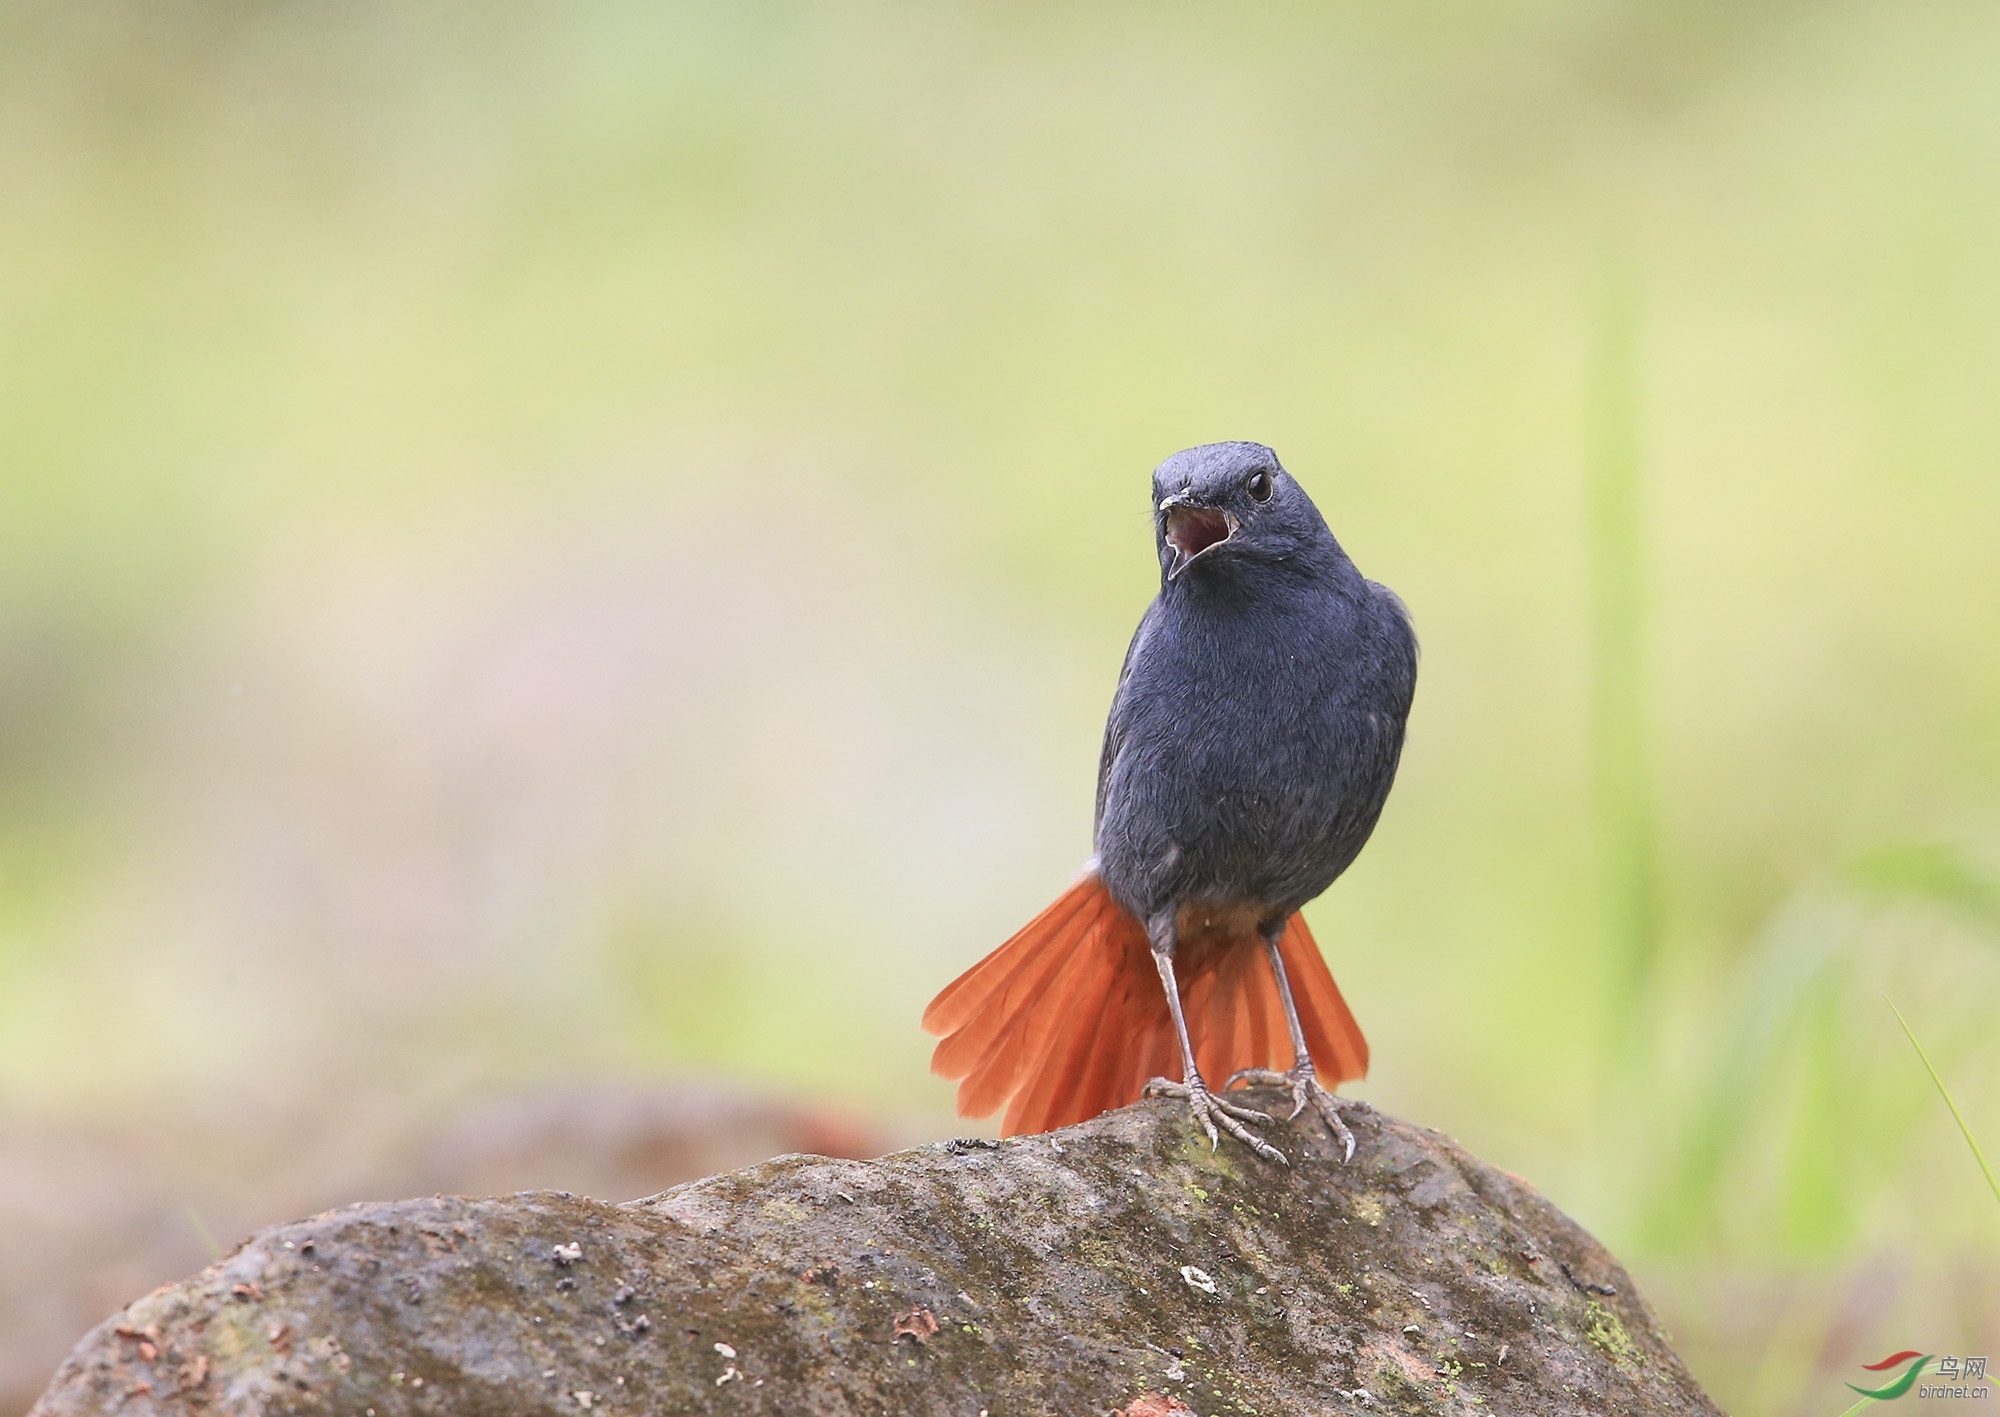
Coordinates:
[1585,1285]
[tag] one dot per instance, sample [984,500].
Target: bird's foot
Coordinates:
[1211,1111]
[1305,1089]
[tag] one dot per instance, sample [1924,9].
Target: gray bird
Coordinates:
[1252,741]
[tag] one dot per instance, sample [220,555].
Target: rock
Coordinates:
[93,1213]
[1117,1265]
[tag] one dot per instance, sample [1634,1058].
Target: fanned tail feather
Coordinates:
[1067,1018]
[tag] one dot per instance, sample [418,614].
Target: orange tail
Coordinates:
[1067,1019]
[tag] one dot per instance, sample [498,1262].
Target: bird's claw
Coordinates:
[1211,1110]
[1304,1087]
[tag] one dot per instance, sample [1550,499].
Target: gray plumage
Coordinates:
[1259,716]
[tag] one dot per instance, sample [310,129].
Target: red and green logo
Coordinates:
[1900,1385]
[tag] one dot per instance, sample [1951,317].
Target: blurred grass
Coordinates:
[1626,825]
[1805,1091]
[539,540]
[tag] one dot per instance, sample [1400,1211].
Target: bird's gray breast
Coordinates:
[1248,755]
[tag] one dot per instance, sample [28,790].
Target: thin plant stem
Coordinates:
[1956,1115]
[201,1230]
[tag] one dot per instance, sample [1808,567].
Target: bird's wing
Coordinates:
[1114,723]
[1401,615]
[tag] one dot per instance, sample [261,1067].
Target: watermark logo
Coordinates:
[1961,1377]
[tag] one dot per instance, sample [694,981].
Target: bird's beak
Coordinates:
[1193,531]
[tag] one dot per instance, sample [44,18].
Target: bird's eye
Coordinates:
[1260,486]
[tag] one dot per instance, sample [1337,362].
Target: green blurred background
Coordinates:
[593,542]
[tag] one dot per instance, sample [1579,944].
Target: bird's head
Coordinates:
[1225,503]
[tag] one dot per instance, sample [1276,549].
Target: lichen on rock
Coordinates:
[1116,1265]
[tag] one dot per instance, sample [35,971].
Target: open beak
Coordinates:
[1194,531]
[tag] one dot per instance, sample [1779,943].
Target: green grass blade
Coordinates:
[201,1230]
[1956,1116]
[1625,803]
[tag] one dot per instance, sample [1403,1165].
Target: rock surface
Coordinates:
[93,1212]
[1114,1265]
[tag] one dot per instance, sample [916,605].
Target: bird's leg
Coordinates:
[1208,1109]
[1301,1079]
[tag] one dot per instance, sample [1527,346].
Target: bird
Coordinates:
[1252,741]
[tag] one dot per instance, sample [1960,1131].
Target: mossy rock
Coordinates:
[1071,1273]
